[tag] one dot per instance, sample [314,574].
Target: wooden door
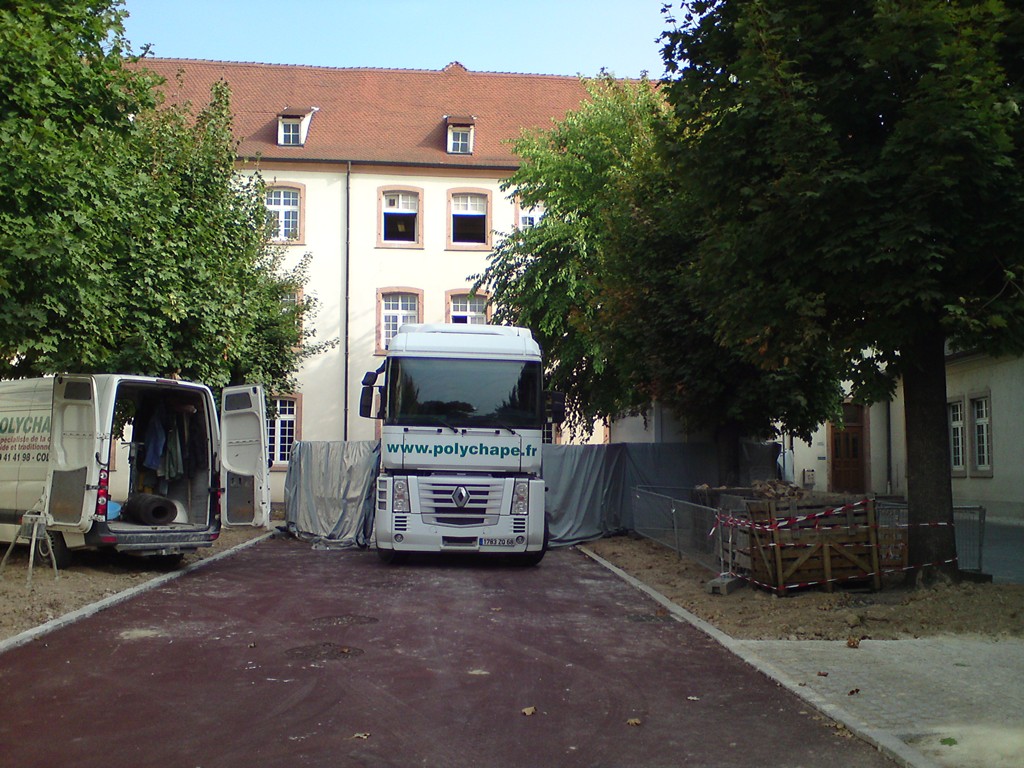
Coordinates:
[848,452]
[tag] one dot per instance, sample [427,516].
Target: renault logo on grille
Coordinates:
[460,496]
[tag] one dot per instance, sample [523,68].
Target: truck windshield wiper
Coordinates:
[506,426]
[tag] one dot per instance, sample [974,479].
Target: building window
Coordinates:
[399,217]
[284,210]
[293,125]
[460,134]
[529,217]
[981,432]
[460,140]
[548,435]
[290,132]
[464,308]
[957,435]
[397,306]
[283,429]
[469,219]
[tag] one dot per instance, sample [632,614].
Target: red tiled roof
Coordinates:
[394,116]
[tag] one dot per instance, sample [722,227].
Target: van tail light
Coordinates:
[103,494]
[218,494]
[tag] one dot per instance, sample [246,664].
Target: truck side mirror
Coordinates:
[370,377]
[556,406]
[366,401]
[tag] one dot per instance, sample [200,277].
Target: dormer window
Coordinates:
[293,126]
[460,134]
[291,134]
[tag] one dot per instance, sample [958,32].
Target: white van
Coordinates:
[130,463]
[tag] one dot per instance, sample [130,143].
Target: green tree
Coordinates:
[127,240]
[857,171]
[606,279]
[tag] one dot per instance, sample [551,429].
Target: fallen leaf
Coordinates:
[693,698]
[360,735]
[823,674]
[633,721]
[853,642]
[854,692]
[529,711]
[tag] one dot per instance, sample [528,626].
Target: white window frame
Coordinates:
[981,435]
[464,203]
[284,208]
[396,306]
[957,438]
[289,132]
[283,430]
[404,201]
[464,308]
[460,139]
[529,217]
[293,127]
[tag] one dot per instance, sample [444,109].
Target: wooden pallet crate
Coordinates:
[792,544]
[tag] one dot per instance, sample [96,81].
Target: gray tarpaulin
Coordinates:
[329,491]
[589,485]
[330,486]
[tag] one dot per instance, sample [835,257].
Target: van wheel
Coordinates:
[52,545]
[391,557]
[167,562]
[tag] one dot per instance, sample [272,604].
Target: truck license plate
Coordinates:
[497,542]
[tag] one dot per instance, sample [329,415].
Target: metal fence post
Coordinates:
[675,531]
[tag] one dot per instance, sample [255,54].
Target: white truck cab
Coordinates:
[130,463]
[463,410]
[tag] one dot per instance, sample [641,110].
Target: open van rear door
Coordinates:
[73,473]
[244,457]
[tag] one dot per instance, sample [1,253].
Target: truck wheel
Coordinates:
[52,545]
[391,557]
[527,559]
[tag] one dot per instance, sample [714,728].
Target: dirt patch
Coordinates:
[990,610]
[92,576]
[895,612]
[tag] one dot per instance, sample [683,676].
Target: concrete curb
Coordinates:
[884,741]
[68,618]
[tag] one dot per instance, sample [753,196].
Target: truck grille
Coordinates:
[483,501]
[438,496]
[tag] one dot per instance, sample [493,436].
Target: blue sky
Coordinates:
[558,37]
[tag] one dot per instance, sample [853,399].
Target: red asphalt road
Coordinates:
[282,655]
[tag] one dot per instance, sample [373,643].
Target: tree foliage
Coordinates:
[857,171]
[607,280]
[127,241]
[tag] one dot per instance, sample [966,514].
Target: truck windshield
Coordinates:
[442,392]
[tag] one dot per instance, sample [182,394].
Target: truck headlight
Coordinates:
[400,496]
[521,498]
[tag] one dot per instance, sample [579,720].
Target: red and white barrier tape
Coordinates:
[834,580]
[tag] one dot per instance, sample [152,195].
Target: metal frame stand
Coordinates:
[33,529]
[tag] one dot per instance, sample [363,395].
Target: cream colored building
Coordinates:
[391,180]
[985,421]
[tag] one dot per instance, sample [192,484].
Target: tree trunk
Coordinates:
[932,543]
[727,447]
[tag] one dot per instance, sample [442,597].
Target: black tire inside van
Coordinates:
[149,509]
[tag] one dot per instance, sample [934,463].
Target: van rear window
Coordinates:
[237,401]
[77,390]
